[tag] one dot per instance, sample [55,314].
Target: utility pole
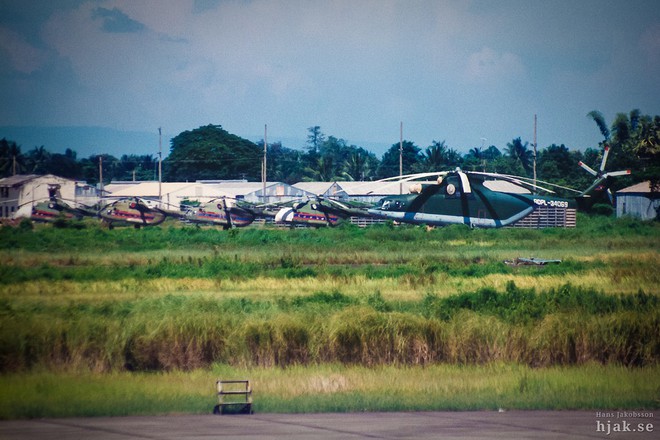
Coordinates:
[401,156]
[481,151]
[101,176]
[160,166]
[534,163]
[14,165]
[264,174]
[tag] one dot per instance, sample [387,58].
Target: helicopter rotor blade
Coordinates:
[409,177]
[617,173]
[525,182]
[225,207]
[604,161]
[588,168]
[299,205]
[337,203]
[465,182]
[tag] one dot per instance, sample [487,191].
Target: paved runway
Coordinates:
[414,425]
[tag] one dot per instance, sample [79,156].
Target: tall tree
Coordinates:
[323,170]
[389,165]
[315,138]
[67,165]
[599,119]
[38,160]
[140,167]
[520,155]
[438,157]
[12,160]
[284,164]
[559,165]
[360,165]
[211,152]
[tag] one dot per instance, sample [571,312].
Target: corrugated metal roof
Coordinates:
[150,189]
[314,187]
[18,179]
[642,187]
[188,189]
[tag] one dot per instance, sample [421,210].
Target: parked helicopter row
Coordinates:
[224,212]
[456,197]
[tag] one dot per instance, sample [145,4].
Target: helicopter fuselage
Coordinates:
[132,212]
[217,214]
[306,215]
[447,203]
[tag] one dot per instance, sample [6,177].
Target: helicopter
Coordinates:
[319,211]
[221,212]
[133,211]
[56,208]
[477,199]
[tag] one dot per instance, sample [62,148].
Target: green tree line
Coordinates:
[210,152]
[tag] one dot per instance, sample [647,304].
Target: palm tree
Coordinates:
[434,157]
[438,156]
[648,142]
[476,153]
[602,125]
[12,161]
[38,160]
[520,154]
[356,166]
[322,171]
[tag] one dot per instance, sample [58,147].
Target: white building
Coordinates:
[20,192]
[173,193]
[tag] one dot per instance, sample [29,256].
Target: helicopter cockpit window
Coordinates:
[391,205]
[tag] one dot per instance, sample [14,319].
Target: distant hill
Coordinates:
[87,141]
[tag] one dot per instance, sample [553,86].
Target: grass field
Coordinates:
[129,321]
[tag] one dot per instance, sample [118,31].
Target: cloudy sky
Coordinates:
[457,71]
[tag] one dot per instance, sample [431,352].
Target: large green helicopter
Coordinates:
[486,200]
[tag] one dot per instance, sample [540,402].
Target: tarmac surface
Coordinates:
[412,425]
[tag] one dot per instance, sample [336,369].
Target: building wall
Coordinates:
[16,201]
[637,205]
[9,201]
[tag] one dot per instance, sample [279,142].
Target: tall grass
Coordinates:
[565,326]
[351,318]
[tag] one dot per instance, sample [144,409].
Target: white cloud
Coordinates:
[490,67]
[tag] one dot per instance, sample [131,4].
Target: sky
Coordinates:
[470,73]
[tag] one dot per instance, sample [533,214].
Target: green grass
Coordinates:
[124,321]
[332,387]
